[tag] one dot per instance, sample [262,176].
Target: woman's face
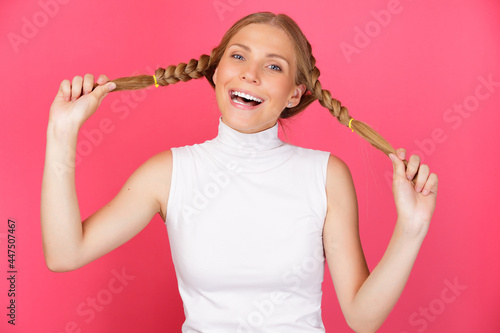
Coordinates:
[259,61]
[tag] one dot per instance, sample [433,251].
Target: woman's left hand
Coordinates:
[415,198]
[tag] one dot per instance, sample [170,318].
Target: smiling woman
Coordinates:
[250,218]
[255,64]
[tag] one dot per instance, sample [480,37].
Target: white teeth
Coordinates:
[237,93]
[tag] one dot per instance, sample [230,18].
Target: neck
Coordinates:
[251,131]
[263,140]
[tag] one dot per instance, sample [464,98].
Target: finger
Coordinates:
[88,83]
[102,90]
[401,153]
[102,79]
[423,175]
[398,166]
[65,89]
[431,186]
[76,88]
[412,168]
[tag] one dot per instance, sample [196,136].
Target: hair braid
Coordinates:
[194,69]
[342,114]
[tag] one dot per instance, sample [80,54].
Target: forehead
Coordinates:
[265,38]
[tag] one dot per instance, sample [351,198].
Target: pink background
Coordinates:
[404,80]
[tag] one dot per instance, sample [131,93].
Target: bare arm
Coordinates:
[341,241]
[67,242]
[367,298]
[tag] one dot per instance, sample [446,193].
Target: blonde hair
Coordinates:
[307,73]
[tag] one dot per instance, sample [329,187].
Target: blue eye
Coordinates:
[279,69]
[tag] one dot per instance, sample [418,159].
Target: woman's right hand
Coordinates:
[75,101]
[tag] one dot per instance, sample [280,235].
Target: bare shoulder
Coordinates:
[339,184]
[338,174]
[159,168]
[335,162]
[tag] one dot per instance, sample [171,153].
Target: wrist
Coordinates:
[410,229]
[62,130]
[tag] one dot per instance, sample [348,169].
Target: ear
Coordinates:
[297,94]
[214,77]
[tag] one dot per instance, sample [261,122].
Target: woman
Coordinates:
[250,218]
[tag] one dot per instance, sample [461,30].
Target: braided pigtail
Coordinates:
[342,114]
[194,69]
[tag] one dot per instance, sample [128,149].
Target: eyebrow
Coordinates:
[270,55]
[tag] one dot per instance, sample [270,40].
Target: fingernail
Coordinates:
[402,155]
[66,98]
[418,189]
[112,86]
[425,192]
[391,156]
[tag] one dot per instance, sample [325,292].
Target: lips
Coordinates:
[237,104]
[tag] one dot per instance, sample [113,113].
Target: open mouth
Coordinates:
[244,99]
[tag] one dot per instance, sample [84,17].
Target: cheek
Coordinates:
[281,89]
[227,74]
[224,71]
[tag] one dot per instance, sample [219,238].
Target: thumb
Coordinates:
[102,90]
[398,166]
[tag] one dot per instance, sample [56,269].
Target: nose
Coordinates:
[250,74]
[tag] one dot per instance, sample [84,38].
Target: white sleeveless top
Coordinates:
[245,220]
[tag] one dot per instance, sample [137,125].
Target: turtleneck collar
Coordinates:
[260,141]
